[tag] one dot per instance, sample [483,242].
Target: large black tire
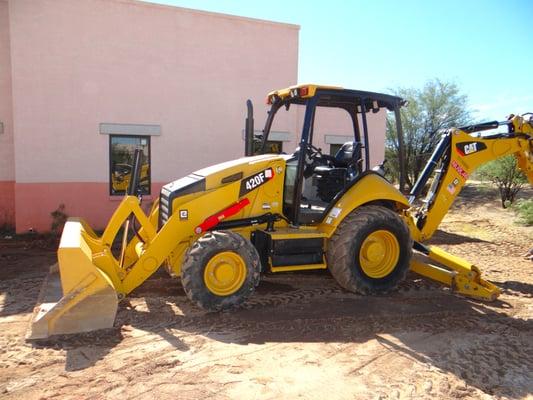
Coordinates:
[197,258]
[344,249]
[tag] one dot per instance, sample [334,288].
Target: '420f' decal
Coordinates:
[254,181]
[466,148]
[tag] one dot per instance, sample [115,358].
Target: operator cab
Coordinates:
[314,180]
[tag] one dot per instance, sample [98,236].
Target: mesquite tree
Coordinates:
[438,105]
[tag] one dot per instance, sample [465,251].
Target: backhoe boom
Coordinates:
[456,156]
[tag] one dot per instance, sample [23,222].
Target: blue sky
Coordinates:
[486,47]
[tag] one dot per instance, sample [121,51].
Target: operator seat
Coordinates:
[349,154]
[343,168]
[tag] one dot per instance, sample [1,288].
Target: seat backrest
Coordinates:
[350,152]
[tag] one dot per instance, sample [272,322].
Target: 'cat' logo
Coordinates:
[466,148]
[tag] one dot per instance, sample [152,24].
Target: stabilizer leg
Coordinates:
[460,275]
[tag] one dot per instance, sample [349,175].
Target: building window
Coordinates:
[121,152]
[334,148]
[272,146]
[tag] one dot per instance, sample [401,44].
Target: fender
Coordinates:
[368,188]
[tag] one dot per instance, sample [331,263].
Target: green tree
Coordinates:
[438,105]
[507,177]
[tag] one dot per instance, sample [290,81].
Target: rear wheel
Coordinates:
[220,270]
[370,251]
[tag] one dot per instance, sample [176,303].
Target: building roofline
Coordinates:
[151,4]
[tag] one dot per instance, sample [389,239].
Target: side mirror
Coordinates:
[249,130]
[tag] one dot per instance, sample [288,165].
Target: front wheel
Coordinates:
[371,250]
[220,270]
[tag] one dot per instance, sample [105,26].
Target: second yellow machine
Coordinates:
[222,227]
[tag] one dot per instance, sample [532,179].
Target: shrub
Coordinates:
[524,209]
[504,173]
[59,217]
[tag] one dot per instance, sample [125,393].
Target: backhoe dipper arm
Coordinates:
[459,153]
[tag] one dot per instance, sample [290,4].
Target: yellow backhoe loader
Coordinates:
[222,227]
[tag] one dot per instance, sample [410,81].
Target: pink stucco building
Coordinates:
[80,78]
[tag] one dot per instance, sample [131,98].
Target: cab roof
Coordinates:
[335,96]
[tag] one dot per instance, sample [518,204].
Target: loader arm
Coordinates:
[458,154]
[93,279]
[95,275]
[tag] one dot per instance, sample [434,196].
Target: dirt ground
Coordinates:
[300,336]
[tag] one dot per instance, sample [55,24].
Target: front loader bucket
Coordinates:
[79,298]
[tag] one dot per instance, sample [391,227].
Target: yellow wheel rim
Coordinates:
[224,274]
[379,254]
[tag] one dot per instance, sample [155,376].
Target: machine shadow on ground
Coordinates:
[523,288]
[442,237]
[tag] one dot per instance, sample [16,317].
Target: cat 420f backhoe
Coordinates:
[222,227]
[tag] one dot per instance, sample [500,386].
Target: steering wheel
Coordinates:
[317,158]
[313,152]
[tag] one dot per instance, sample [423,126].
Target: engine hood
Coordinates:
[230,171]
[213,177]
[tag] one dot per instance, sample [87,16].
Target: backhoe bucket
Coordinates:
[81,297]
